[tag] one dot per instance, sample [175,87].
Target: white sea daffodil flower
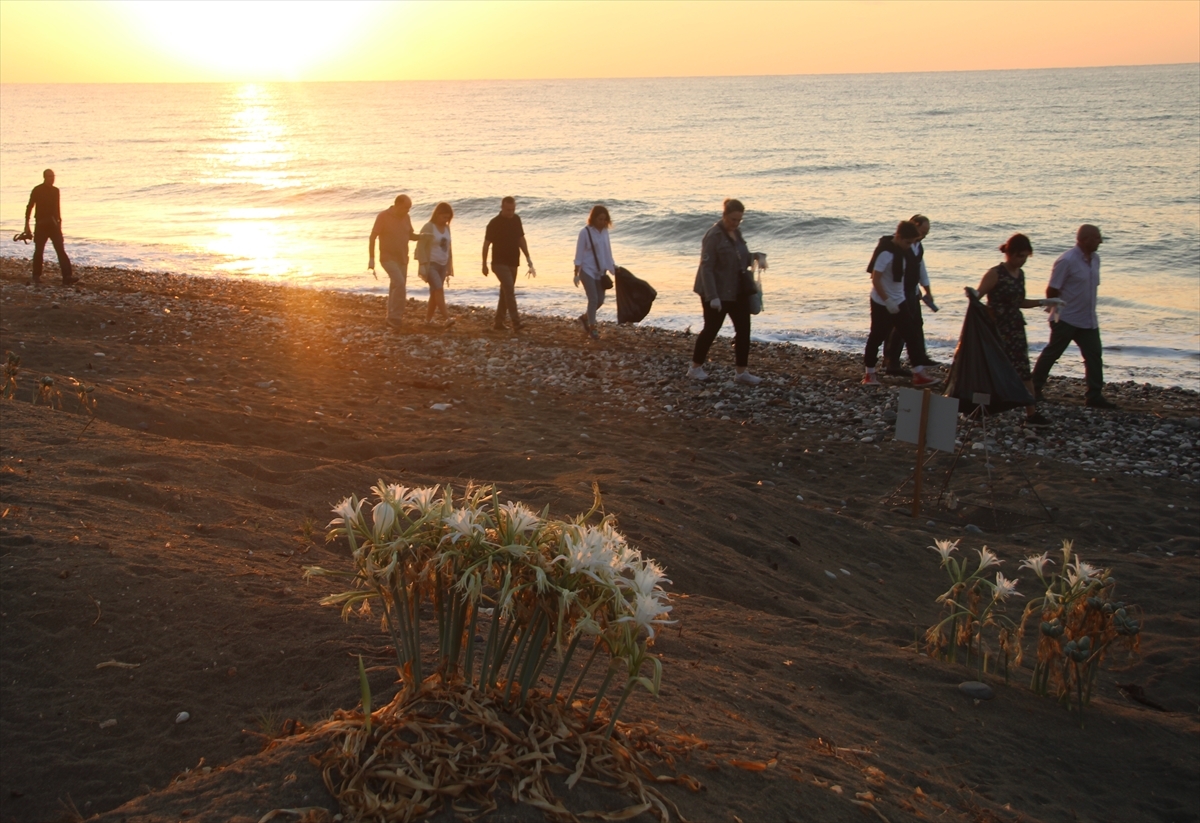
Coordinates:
[1038,563]
[519,519]
[422,500]
[589,553]
[384,518]
[987,559]
[1080,572]
[349,514]
[1005,588]
[463,524]
[945,548]
[392,493]
[646,612]
[647,578]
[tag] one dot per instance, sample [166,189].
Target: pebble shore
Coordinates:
[642,371]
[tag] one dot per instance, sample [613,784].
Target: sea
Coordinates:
[281,183]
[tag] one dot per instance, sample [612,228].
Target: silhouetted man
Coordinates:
[394,229]
[1076,278]
[44,199]
[506,236]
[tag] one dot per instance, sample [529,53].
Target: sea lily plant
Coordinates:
[514,595]
[1079,620]
[973,604]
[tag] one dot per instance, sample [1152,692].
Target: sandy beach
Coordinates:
[153,557]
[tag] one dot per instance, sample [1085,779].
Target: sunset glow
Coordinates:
[123,41]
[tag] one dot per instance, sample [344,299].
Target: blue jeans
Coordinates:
[595,296]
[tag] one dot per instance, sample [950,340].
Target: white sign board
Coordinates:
[939,429]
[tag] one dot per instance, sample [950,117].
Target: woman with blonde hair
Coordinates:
[435,253]
[593,260]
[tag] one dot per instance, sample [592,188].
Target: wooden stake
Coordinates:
[916,509]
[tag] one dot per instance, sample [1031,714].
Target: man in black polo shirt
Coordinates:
[44,198]
[506,236]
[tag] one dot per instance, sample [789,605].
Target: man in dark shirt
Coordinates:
[49,227]
[394,229]
[506,236]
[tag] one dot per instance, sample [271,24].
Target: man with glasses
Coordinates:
[1076,278]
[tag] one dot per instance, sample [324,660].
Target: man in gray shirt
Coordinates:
[394,229]
[1076,278]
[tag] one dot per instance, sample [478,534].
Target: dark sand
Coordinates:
[171,534]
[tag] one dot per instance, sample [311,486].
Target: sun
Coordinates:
[252,40]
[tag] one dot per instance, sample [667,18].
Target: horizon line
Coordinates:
[581,77]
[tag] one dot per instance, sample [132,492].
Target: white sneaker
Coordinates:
[746,378]
[871,380]
[697,373]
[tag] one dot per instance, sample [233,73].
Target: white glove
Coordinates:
[1052,302]
[892,306]
[715,303]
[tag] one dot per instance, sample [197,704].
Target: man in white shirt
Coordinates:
[889,264]
[915,280]
[1076,278]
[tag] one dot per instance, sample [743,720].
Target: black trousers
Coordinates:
[1063,334]
[51,232]
[739,312]
[882,324]
[895,341]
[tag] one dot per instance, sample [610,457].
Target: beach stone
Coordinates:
[977,690]
[182,717]
[830,575]
[973,529]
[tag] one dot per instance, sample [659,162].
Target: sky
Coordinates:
[124,41]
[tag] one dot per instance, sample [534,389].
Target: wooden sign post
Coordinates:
[916,509]
[929,421]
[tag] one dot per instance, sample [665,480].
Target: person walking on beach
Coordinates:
[394,229]
[915,278]
[44,204]
[1075,278]
[889,267]
[594,260]
[1004,287]
[725,283]
[506,236]
[435,254]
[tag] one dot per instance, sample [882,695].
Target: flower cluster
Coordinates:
[973,603]
[1079,618]
[539,587]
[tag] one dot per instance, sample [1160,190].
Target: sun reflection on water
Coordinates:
[255,160]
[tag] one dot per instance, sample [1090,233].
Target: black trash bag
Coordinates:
[634,297]
[981,366]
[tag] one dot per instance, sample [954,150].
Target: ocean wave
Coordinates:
[817,168]
[1156,352]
